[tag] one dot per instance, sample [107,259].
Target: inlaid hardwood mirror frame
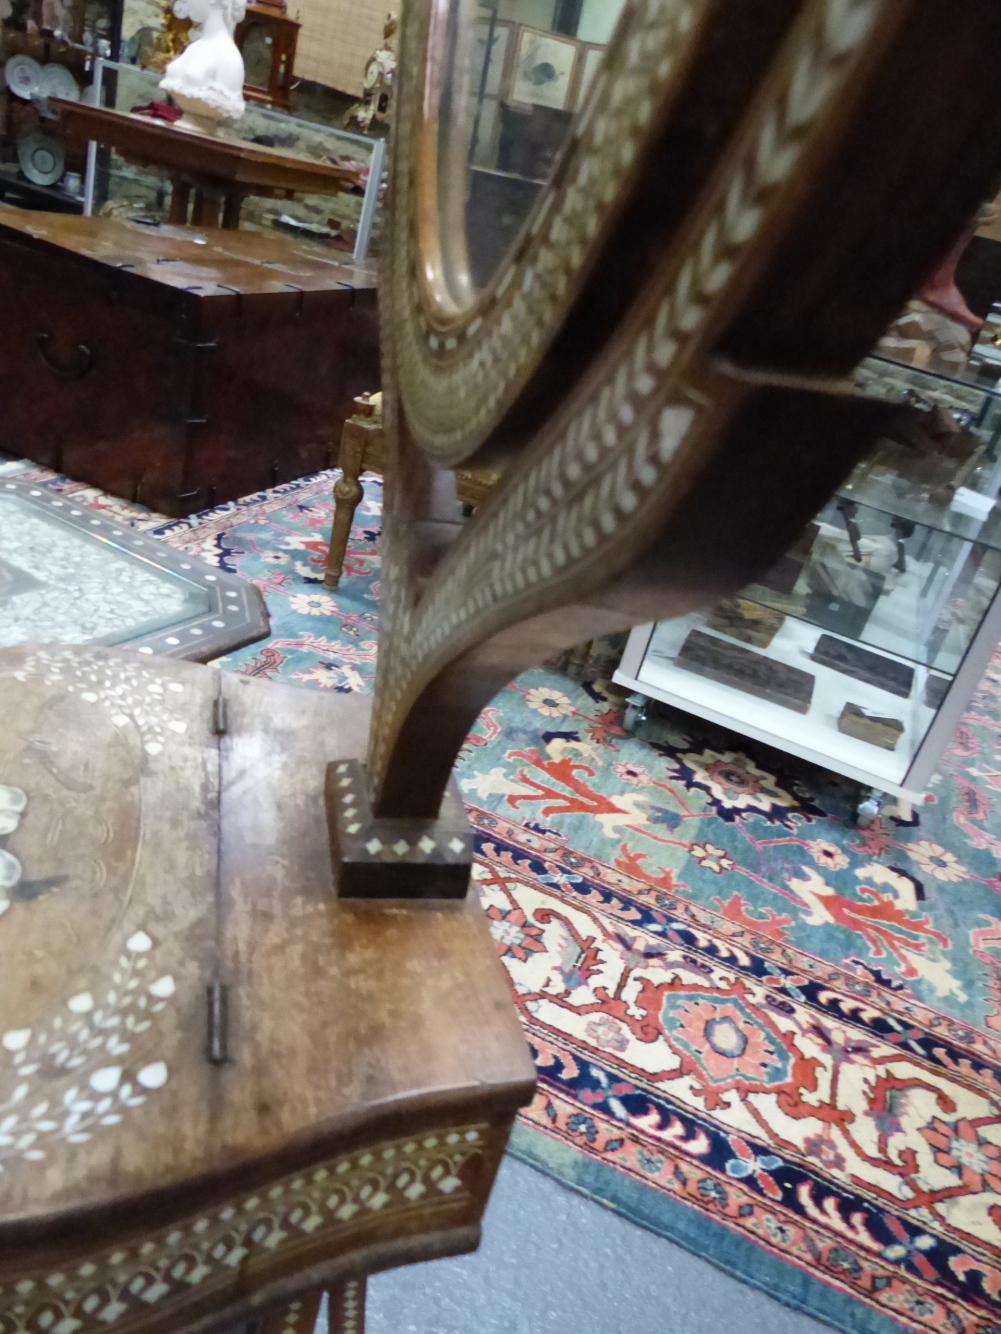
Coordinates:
[750,195]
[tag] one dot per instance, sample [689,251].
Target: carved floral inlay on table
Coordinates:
[76,1069]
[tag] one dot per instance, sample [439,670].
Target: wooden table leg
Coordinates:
[207,208]
[347,495]
[231,212]
[180,197]
[347,1307]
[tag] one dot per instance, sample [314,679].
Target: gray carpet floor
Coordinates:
[553,1262]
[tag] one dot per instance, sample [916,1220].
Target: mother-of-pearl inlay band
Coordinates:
[115,1286]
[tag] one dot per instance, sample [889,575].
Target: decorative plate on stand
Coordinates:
[57,81]
[23,77]
[41,158]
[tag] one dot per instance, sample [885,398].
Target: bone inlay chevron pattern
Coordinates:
[612,456]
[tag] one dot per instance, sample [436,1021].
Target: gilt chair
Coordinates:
[363,449]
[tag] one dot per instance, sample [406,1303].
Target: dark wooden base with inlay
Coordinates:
[378,858]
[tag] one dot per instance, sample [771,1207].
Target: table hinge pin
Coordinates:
[217,1048]
[219,715]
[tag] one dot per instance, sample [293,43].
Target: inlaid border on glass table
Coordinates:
[236,614]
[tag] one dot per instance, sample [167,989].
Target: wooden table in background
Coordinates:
[220,172]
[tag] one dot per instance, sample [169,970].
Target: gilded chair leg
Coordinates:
[347,496]
[575,660]
[347,1307]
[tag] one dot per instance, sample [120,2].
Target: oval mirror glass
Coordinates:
[506,78]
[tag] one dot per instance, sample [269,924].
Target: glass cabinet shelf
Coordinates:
[900,587]
[978,392]
[883,490]
[859,649]
[813,733]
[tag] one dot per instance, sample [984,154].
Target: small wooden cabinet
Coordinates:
[267,40]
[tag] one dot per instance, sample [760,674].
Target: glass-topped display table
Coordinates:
[860,649]
[70,576]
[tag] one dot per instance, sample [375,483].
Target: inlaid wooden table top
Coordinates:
[147,857]
[184,257]
[226,161]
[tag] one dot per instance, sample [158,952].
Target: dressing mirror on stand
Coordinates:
[255,1042]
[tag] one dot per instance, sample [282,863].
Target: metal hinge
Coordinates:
[217,1044]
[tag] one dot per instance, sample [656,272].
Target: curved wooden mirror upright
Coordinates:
[748,197]
[224,1085]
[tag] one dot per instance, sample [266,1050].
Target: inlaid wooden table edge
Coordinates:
[114,1220]
[236,614]
[342,1075]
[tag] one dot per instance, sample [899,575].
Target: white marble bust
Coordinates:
[206,79]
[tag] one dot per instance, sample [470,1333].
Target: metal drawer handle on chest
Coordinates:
[64,371]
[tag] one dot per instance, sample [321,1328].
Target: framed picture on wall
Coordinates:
[543,69]
[591,58]
[488,69]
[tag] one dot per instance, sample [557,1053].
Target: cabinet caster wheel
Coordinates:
[635,712]
[868,810]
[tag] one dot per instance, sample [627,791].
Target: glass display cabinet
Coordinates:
[861,647]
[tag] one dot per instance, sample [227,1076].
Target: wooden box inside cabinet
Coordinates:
[176,368]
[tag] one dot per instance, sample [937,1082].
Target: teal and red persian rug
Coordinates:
[759,1031]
